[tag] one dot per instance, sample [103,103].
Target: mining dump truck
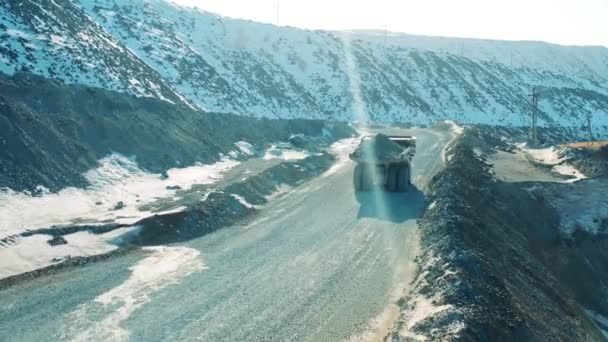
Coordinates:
[384,163]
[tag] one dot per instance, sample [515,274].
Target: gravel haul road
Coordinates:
[316,263]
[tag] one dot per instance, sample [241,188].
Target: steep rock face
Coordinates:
[227,65]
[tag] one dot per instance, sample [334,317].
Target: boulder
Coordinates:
[57,240]
[119,205]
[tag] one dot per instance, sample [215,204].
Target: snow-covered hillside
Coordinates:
[55,38]
[229,65]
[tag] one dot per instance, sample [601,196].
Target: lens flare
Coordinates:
[359,109]
[361,115]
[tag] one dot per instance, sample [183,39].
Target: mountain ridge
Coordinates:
[219,64]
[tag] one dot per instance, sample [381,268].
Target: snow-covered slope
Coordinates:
[229,65]
[55,38]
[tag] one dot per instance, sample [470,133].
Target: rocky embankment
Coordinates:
[592,162]
[227,206]
[52,133]
[222,207]
[496,264]
[173,173]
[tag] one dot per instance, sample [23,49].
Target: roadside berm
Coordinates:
[497,263]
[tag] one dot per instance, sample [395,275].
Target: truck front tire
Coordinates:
[367,182]
[357,177]
[362,178]
[392,179]
[403,178]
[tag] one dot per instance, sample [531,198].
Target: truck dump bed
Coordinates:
[384,148]
[403,140]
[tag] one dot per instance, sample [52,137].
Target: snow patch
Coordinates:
[548,156]
[569,170]
[421,309]
[341,150]
[454,127]
[445,157]
[281,189]
[245,147]
[58,40]
[275,152]
[244,202]
[424,308]
[551,156]
[117,179]
[477,152]
[164,266]
[26,254]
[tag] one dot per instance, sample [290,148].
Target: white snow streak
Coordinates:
[165,266]
[551,156]
[244,202]
[341,150]
[26,254]
[275,152]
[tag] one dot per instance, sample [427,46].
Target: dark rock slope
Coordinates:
[50,133]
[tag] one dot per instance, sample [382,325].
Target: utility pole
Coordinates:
[385,33]
[535,94]
[589,117]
